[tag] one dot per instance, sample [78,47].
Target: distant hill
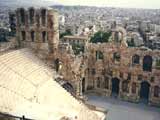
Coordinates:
[26,3]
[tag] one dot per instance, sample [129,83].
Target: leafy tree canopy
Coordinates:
[101,37]
[77,49]
[131,43]
[67,32]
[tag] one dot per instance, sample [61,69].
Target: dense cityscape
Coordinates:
[142,25]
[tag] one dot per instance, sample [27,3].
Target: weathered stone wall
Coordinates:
[67,65]
[37,29]
[107,68]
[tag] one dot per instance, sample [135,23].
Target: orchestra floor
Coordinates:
[121,110]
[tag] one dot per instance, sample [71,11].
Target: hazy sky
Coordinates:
[113,3]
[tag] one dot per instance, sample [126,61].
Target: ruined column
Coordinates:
[53,32]
[18,28]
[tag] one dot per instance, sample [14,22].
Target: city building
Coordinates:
[80,40]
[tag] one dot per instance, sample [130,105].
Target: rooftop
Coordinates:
[76,37]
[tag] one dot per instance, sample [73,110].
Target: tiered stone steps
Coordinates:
[27,87]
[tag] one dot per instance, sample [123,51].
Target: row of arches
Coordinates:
[144,89]
[117,87]
[32,35]
[32,14]
[147,62]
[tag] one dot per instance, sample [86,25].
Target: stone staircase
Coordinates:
[26,79]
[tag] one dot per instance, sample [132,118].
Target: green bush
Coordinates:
[77,48]
[67,32]
[101,37]
[158,63]
[131,43]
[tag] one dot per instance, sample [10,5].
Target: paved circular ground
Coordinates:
[121,110]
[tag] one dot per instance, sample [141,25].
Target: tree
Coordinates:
[131,43]
[77,49]
[67,32]
[101,37]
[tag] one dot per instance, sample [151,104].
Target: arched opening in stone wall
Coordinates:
[135,59]
[99,55]
[32,36]
[83,85]
[134,88]
[116,36]
[147,63]
[98,82]
[93,72]
[12,22]
[115,86]
[56,63]
[23,33]
[144,91]
[31,15]
[44,36]
[106,83]
[125,86]
[67,86]
[116,56]
[157,91]
[22,16]
[50,23]
[43,16]
[38,20]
